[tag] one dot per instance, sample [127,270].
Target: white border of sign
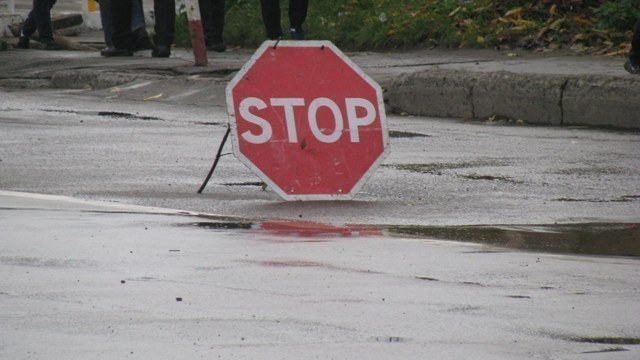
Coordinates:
[234,130]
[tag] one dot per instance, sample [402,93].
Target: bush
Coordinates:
[618,15]
[384,24]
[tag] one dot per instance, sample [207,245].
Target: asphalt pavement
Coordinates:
[550,88]
[92,280]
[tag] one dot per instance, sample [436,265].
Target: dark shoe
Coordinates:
[23,43]
[51,46]
[217,46]
[142,41]
[161,51]
[112,51]
[142,44]
[296,34]
[631,68]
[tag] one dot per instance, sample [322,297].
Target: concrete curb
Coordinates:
[599,100]
[569,91]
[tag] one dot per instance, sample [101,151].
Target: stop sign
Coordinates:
[307,120]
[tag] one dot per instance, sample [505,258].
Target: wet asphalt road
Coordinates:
[86,280]
[439,171]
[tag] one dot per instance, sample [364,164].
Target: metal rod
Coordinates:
[215,162]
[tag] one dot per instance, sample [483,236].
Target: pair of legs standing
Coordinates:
[39,18]
[633,63]
[123,38]
[271,18]
[138,25]
[212,14]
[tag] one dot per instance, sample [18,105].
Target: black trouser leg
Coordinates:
[29,26]
[206,15]
[121,22]
[297,12]
[105,19]
[39,18]
[634,54]
[212,14]
[271,18]
[165,11]
[217,24]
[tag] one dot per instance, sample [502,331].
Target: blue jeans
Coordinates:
[137,19]
[165,13]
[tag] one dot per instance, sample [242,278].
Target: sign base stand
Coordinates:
[215,161]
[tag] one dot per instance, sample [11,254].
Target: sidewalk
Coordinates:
[548,89]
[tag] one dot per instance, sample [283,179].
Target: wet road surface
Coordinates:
[439,173]
[92,280]
[473,240]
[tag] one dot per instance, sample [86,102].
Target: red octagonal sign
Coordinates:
[307,120]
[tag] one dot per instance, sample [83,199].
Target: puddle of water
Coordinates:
[610,239]
[390,339]
[294,230]
[608,340]
[589,238]
[308,264]
[246,183]
[438,168]
[215,225]
[115,114]
[315,229]
[490,178]
[44,263]
[611,349]
[406,134]
[625,198]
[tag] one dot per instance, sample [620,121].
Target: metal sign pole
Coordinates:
[215,161]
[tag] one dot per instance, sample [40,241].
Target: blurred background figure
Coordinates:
[39,18]
[633,62]
[124,40]
[271,18]
[212,14]
[139,34]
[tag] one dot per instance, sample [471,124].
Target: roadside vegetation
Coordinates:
[585,26]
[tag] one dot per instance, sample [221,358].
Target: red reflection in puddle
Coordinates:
[314,229]
[308,264]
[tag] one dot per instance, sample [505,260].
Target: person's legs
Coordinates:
[297,12]
[42,14]
[217,23]
[121,22]
[137,15]
[139,33]
[632,65]
[165,11]
[297,16]
[271,18]
[165,21]
[28,28]
[105,19]
[634,54]
[206,14]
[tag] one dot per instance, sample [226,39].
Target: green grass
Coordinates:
[401,24]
